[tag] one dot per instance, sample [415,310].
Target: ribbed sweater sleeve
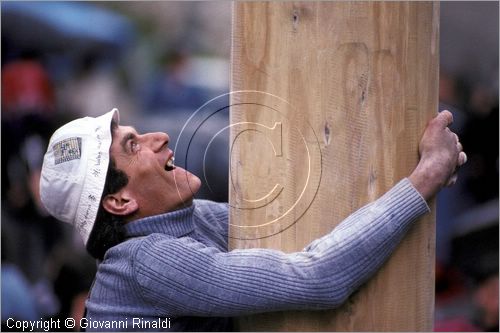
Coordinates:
[183,277]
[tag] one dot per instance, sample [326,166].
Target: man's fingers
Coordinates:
[462,158]
[452,180]
[445,118]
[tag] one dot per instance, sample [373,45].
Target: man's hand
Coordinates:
[441,154]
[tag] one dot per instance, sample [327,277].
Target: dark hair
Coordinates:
[108,229]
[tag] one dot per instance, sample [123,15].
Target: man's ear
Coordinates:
[120,203]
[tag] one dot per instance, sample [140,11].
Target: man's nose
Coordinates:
[156,140]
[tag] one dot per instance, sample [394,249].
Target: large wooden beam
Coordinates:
[329,102]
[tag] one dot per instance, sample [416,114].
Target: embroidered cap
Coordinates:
[74,170]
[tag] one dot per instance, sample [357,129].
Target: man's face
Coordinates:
[154,186]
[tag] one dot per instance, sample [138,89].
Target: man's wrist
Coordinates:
[424,179]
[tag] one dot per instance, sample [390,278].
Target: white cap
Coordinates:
[74,170]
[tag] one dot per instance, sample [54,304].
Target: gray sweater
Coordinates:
[174,272]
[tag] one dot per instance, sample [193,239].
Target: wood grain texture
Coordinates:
[329,102]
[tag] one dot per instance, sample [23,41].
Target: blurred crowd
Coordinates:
[159,80]
[467,215]
[54,70]
[43,268]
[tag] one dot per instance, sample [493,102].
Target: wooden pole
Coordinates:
[329,102]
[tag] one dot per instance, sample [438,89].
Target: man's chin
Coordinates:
[181,175]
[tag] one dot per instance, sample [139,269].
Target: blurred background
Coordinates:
[159,63]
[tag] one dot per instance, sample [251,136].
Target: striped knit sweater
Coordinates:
[174,272]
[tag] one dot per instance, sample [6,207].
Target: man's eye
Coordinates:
[134,146]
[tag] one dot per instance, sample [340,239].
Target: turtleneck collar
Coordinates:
[177,223]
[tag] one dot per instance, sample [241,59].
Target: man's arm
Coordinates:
[185,278]
[190,279]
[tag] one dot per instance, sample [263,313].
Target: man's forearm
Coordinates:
[259,280]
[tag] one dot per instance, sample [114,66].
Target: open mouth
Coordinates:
[170,164]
